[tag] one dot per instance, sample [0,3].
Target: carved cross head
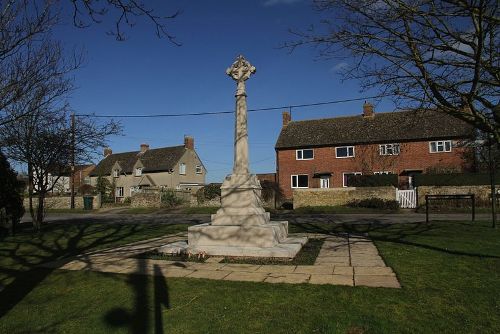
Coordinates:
[241,69]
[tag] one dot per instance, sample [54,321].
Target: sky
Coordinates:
[147,75]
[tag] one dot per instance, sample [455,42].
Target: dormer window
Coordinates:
[138,171]
[182,168]
[115,173]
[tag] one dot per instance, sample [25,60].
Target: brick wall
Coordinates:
[413,156]
[339,196]
[482,192]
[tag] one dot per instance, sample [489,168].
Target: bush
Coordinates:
[11,199]
[375,203]
[169,198]
[372,180]
[208,192]
[271,190]
[455,179]
[127,200]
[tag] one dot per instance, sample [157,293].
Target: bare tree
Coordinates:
[441,54]
[25,41]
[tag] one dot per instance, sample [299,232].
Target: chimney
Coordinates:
[189,142]
[368,110]
[287,118]
[144,148]
[107,151]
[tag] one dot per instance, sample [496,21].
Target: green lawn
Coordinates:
[450,273]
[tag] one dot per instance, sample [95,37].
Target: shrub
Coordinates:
[208,192]
[454,179]
[373,180]
[271,190]
[375,203]
[11,199]
[127,200]
[169,198]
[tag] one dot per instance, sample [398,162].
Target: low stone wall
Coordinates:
[146,200]
[340,196]
[63,202]
[482,192]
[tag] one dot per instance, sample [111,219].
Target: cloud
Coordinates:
[269,3]
[340,67]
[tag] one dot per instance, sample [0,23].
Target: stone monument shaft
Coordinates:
[240,71]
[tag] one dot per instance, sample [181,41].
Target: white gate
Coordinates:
[407,198]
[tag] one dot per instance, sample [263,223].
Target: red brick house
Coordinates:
[322,153]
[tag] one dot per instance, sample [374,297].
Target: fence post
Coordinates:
[473,207]
[427,208]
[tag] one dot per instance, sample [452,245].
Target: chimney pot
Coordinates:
[368,110]
[144,148]
[189,142]
[107,151]
[287,118]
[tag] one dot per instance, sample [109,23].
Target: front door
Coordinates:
[324,181]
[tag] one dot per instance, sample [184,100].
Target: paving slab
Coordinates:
[287,278]
[331,279]
[343,270]
[241,267]
[246,276]
[377,281]
[383,271]
[276,269]
[323,269]
[209,274]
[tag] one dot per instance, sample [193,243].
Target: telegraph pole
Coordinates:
[72,160]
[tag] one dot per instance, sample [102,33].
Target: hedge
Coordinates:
[372,180]
[455,179]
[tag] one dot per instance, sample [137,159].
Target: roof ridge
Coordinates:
[361,115]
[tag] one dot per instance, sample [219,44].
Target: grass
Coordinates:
[306,256]
[449,273]
[154,255]
[200,210]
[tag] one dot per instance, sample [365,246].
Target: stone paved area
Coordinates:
[343,260]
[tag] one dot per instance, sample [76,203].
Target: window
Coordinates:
[345,178]
[138,171]
[115,173]
[440,146]
[304,154]
[182,168]
[344,152]
[389,149]
[119,192]
[86,180]
[300,181]
[383,173]
[198,169]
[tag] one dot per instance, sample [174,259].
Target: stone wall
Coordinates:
[482,192]
[146,200]
[63,202]
[339,196]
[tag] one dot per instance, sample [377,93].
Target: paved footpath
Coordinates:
[343,260]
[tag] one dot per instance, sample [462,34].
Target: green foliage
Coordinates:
[169,198]
[208,192]
[375,203]
[373,180]
[105,188]
[271,190]
[127,200]
[455,179]
[11,190]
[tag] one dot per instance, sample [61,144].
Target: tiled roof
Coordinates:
[383,127]
[153,160]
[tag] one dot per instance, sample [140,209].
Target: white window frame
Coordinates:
[350,173]
[384,172]
[119,192]
[198,169]
[299,154]
[182,168]
[115,172]
[394,147]
[138,171]
[442,144]
[346,157]
[297,176]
